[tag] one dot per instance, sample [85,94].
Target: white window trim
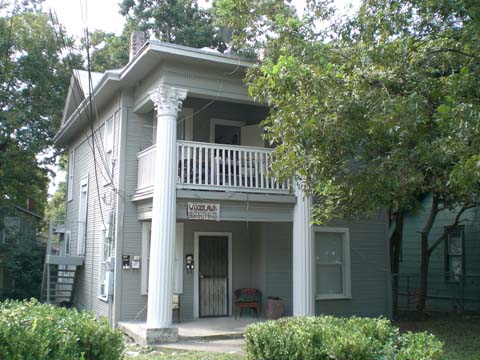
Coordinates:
[178,260]
[109,145]
[186,115]
[71,164]
[214,122]
[101,261]
[82,217]
[347,276]
[146,228]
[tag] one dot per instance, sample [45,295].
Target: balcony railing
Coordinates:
[216,167]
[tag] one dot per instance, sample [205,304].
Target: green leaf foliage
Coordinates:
[30,330]
[33,83]
[328,338]
[181,22]
[371,111]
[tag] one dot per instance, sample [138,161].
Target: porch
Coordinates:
[203,329]
[214,167]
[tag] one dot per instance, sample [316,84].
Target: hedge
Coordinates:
[330,338]
[30,330]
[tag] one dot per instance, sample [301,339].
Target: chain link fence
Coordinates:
[445,292]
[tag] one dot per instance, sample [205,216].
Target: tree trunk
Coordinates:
[422,293]
[395,246]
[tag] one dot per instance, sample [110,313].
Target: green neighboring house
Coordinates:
[17,226]
[454,267]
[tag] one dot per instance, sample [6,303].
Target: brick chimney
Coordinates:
[137,39]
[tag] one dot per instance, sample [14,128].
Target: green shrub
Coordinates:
[30,330]
[330,338]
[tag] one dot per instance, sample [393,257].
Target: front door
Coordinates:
[213,275]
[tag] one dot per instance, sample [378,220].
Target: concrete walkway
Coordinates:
[214,328]
[231,346]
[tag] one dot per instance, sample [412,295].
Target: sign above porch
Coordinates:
[203,211]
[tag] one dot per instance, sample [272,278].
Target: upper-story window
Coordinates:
[11,229]
[109,143]
[82,216]
[71,162]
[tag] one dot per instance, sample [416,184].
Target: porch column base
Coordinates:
[145,336]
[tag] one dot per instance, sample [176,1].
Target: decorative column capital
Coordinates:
[167,99]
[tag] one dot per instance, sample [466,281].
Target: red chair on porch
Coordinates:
[247,298]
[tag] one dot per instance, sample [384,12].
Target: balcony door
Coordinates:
[226,131]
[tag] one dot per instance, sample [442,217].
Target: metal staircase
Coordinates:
[59,271]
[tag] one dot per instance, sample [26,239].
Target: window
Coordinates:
[178,260]
[71,162]
[11,229]
[67,242]
[109,131]
[454,254]
[82,216]
[332,263]
[106,251]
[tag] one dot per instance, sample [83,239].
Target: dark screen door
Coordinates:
[213,273]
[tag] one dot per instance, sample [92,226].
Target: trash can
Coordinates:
[275,308]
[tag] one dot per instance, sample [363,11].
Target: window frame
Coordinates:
[109,145]
[71,167]
[82,217]
[178,266]
[450,276]
[346,263]
[6,229]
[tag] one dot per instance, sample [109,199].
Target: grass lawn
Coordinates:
[461,335]
[165,354]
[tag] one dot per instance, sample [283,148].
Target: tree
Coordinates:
[181,22]
[371,112]
[24,263]
[33,83]
[109,51]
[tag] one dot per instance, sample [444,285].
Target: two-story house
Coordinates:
[170,191]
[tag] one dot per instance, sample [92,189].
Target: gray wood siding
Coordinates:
[87,286]
[370,270]
[139,137]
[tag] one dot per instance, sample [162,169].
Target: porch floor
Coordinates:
[222,327]
[199,329]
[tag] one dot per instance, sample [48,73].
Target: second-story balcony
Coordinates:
[207,166]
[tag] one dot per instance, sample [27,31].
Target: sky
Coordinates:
[104,15]
[76,15]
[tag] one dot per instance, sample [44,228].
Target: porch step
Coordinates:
[213,337]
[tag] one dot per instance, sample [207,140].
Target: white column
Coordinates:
[167,102]
[303,257]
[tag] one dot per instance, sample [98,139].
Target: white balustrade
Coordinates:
[146,168]
[216,167]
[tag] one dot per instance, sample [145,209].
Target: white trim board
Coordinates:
[196,293]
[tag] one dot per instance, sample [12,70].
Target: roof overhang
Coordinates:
[147,59]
